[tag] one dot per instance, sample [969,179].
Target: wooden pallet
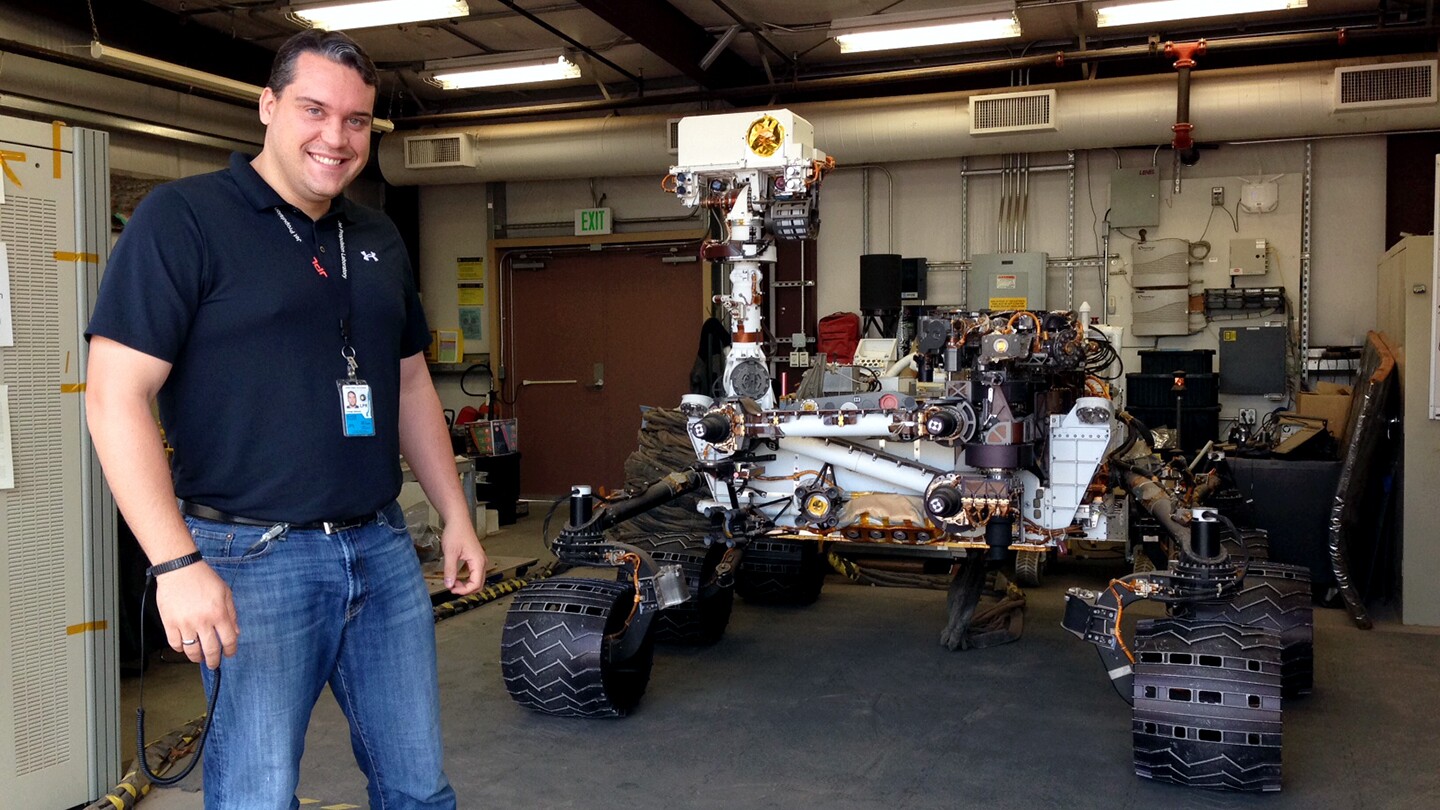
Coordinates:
[500,568]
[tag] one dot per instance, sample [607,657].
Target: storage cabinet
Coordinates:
[1405,312]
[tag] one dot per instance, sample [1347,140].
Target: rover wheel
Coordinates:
[1275,597]
[781,572]
[701,619]
[556,649]
[1207,704]
[1257,545]
[1029,568]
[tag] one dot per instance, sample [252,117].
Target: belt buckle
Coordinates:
[337,526]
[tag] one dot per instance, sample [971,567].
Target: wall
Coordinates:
[914,209]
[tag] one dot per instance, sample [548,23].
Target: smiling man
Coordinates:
[287,555]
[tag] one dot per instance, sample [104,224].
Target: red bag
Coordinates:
[839,335]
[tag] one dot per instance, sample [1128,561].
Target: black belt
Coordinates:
[329,526]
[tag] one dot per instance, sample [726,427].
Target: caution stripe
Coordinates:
[65,256]
[77,629]
[56,141]
[5,157]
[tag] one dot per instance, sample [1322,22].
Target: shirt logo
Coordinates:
[369,256]
[315,260]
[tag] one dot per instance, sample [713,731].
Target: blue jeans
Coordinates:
[351,610]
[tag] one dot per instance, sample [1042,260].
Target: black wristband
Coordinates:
[173,565]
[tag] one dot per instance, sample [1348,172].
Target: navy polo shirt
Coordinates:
[208,277]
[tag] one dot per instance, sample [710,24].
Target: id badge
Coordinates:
[357,408]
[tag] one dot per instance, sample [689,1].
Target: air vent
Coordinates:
[672,135]
[1012,112]
[1396,84]
[439,151]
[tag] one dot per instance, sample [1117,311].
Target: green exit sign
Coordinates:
[591,221]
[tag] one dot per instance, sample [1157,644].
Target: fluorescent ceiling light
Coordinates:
[336,16]
[883,32]
[175,73]
[170,71]
[487,72]
[1150,11]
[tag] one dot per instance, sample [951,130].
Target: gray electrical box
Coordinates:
[1135,198]
[1249,257]
[1252,359]
[1001,281]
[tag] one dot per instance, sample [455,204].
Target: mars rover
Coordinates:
[1018,451]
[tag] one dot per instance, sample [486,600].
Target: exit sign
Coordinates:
[592,221]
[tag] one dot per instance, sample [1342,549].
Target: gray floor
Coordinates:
[852,703]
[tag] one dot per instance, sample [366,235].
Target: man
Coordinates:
[261,280]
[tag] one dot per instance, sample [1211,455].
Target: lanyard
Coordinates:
[347,351]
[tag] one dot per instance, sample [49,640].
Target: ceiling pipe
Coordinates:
[1236,104]
[797,87]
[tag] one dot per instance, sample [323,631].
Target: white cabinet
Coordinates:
[1405,311]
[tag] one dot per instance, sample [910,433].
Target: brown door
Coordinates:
[635,317]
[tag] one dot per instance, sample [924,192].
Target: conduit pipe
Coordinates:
[1184,53]
[1259,103]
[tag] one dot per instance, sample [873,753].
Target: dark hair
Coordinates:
[333,45]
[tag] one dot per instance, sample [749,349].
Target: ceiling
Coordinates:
[648,52]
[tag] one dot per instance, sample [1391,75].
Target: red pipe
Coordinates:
[1185,53]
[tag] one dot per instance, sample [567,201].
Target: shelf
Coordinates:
[458,368]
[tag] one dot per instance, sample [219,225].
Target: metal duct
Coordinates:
[1289,101]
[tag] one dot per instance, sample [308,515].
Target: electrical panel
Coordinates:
[1135,198]
[1157,312]
[1249,257]
[1252,359]
[1160,263]
[1003,281]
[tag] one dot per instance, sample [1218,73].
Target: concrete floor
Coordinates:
[852,703]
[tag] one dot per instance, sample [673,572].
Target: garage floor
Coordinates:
[852,703]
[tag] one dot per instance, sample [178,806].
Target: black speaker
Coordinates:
[880,281]
[912,279]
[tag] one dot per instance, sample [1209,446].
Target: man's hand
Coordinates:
[462,546]
[195,604]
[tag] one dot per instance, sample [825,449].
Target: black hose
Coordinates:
[140,761]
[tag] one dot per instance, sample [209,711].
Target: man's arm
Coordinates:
[194,602]
[425,443]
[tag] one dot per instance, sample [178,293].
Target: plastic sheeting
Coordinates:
[1366,430]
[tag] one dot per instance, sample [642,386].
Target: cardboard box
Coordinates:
[1330,402]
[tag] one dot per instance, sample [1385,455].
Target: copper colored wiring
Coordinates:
[1010,324]
[792,477]
[1120,614]
[633,559]
[669,183]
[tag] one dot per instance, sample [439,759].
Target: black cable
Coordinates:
[466,375]
[141,763]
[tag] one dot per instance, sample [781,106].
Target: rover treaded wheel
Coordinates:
[1029,568]
[701,619]
[1276,597]
[1207,704]
[555,651]
[1257,545]
[781,572]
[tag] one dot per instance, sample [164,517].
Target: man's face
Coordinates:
[317,132]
